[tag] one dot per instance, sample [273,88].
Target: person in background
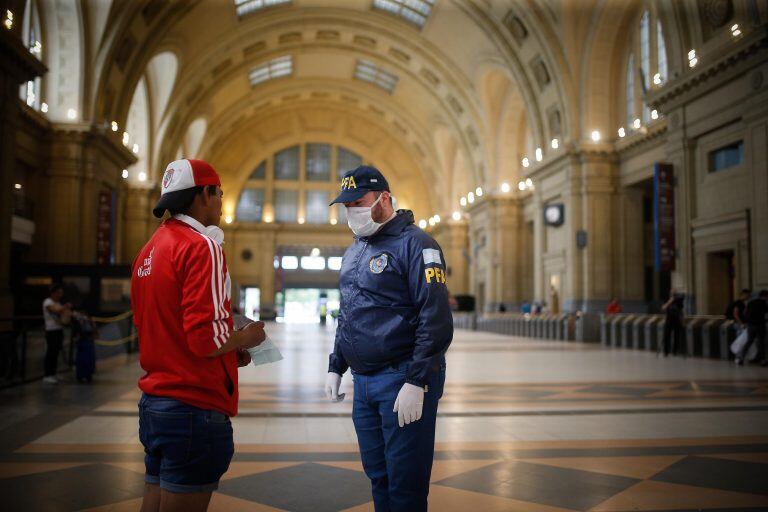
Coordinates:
[554,301]
[674,325]
[735,310]
[614,307]
[526,308]
[55,315]
[502,308]
[754,315]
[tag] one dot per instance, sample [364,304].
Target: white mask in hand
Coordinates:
[360,219]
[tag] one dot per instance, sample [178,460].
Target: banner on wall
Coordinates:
[664,217]
[105,228]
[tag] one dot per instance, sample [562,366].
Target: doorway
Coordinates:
[307,305]
[720,281]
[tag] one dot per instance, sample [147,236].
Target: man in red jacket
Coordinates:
[180,294]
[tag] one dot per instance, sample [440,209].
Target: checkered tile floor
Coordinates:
[507,439]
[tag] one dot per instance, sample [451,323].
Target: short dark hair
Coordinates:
[55,287]
[210,189]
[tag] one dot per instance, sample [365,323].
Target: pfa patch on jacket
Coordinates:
[378,263]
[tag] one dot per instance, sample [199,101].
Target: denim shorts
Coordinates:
[187,449]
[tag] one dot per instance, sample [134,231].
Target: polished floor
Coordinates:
[525,425]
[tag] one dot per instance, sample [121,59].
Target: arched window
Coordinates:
[646,67]
[32,39]
[296,184]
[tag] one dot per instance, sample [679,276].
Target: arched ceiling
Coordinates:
[437,69]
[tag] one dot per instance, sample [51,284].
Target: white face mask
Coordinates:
[360,220]
[215,233]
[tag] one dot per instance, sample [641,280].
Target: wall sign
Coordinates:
[105,231]
[664,217]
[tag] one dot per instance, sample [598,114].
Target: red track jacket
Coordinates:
[180,295]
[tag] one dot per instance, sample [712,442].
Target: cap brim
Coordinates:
[349,195]
[173,201]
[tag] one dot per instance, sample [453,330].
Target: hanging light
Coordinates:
[301,220]
[636,124]
[142,176]
[315,252]
[422,224]
[126,139]
[71,113]
[334,222]
[596,136]
[470,198]
[735,30]
[456,216]
[228,219]
[539,154]
[8,19]
[479,192]
[521,186]
[463,201]
[125,174]
[526,162]
[555,144]
[114,126]
[432,221]
[17,186]
[135,149]
[654,114]
[622,133]
[44,108]
[657,79]
[529,183]
[437,219]
[505,187]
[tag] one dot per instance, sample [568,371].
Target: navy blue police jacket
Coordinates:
[394,303]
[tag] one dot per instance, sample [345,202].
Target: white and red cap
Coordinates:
[180,179]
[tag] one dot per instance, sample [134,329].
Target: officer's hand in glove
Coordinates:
[332,384]
[409,404]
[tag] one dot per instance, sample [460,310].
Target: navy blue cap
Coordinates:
[356,183]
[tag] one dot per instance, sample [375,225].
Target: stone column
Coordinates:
[84,161]
[598,171]
[138,221]
[453,239]
[17,66]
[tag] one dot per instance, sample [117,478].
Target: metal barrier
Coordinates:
[547,326]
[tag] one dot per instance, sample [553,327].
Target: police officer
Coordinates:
[394,327]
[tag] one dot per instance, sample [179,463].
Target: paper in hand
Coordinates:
[265,353]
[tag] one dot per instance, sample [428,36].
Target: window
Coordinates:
[243,7]
[289,262]
[414,11]
[287,164]
[369,72]
[286,205]
[30,91]
[341,213]
[631,90]
[260,172]
[346,160]
[726,157]
[316,206]
[276,68]
[334,263]
[312,263]
[318,162]
[250,206]
[646,67]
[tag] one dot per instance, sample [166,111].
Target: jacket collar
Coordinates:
[191,222]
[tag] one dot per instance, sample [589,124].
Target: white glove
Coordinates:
[409,404]
[332,384]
